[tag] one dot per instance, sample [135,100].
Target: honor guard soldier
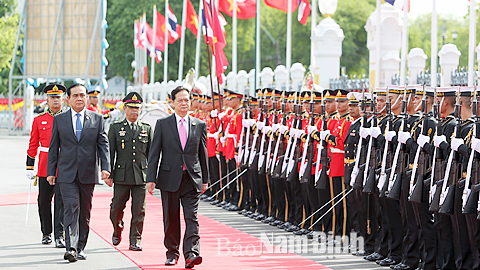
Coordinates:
[40,141]
[129,146]
[93,97]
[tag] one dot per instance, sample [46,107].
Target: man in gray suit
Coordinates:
[183,176]
[78,138]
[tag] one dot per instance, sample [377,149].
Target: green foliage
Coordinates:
[7,7]
[8,32]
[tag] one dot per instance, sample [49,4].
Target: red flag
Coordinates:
[161,29]
[303,11]
[246,9]
[192,19]
[282,4]
[216,39]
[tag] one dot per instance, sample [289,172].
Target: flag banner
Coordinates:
[172,24]
[192,18]
[303,11]
[161,29]
[398,4]
[213,33]
[146,41]
[246,9]
[282,4]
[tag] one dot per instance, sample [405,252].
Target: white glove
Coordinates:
[223,139]
[245,122]
[476,144]
[115,113]
[30,174]
[364,132]
[214,113]
[403,136]
[251,122]
[437,140]
[324,134]
[260,125]
[221,115]
[375,132]
[389,135]
[311,129]
[456,142]
[215,135]
[296,132]
[118,104]
[283,129]
[275,127]
[422,140]
[266,129]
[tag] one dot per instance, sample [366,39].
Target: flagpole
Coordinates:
[434,44]
[199,32]
[471,44]
[182,41]
[257,48]
[377,44]
[234,46]
[135,50]
[153,51]
[165,64]
[403,75]
[289,44]
[143,56]
[312,38]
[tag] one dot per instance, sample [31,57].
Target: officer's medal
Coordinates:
[122,132]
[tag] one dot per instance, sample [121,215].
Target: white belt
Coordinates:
[43,149]
[336,151]
[209,135]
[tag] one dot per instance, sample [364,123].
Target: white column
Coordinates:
[242,82]
[449,57]
[328,49]
[231,80]
[434,44]
[266,77]
[416,64]
[471,44]
[281,77]
[297,72]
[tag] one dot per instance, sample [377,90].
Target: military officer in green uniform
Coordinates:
[129,145]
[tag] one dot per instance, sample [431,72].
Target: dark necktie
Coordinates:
[78,127]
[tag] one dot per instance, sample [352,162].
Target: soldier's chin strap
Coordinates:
[441,103]
[396,101]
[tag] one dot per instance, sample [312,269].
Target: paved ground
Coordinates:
[20,246]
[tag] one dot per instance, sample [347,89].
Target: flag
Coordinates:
[303,10]
[172,25]
[282,4]
[192,18]
[398,4]
[245,8]
[213,33]
[146,40]
[137,40]
[161,29]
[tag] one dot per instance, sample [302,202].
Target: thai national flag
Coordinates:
[398,3]
[303,11]
[172,24]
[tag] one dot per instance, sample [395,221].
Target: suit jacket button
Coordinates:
[133,140]
[134,160]
[134,153]
[133,147]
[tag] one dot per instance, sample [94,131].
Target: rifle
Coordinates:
[369,178]
[395,181]
[448,194]
[272,130]
[259,125]
[295,133]
[321,176]
[265,130]
[469,199]
[306,161]
[274,166]
[275,128]
[244,136]
[386,158]
[292,133]
[416,190]
[357,173]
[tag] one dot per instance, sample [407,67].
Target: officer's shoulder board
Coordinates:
[144,123]
[43,113]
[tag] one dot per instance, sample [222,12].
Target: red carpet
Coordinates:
[245,250]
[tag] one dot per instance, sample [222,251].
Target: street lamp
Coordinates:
[454,35]
[126,59]
[327,7]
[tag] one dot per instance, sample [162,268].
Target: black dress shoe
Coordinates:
[268,220]
[81,255]
[276,223]
[386,262]
[59,243]
[209,199]
[135,247]
[292,228]
[192,261]
[242,212]
[284,225]
[374,257]
[116,240]
[227,205]
[301,232]
[203,197]
[46,239]
[221,203]
[171,262]
[248,213]
[260,217]
[233,208]
[402,266]
[214,202]
[310,235]
[70,256]
[361,253]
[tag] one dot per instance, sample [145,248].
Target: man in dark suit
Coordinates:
[129,145]
[183,176]
[78,138]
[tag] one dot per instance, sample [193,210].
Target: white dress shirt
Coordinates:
[186,123]
[74,118]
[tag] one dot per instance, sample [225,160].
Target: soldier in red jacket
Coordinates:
[40,141]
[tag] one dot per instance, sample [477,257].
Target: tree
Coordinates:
[8,30]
